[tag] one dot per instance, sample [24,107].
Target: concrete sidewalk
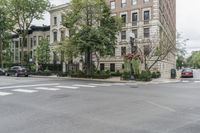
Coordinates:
[114,80]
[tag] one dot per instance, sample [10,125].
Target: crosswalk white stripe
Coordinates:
[25,91]
[68,87]
[197,81]
[25,86]
[100,85]
[5,93]
[185,81]
[119,84]
[90,86]
[46,88]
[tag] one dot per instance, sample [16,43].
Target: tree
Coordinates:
[23,13]
[180,44]
[6,24]
[157,50]
[194,59]
[92,29]
[43,52]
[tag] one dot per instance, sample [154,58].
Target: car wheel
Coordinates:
[7,74]
[26,75]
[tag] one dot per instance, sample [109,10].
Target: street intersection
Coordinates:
[54,105]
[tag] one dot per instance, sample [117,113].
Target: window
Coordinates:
[112,67]
[146,33]
[123,35]
[34,41]
[123,19]
[55,20]
[147,50]
[48,38]
[123,66]
[25,44]
[134,19]
[102,67]
[146,17]
[17,44]
[31,42]
[123,51]
[146,1]
[134,2]
[135,31]
[62,18]
[39,38]
[112,5]
[55,36]
[123,3]
[62,35]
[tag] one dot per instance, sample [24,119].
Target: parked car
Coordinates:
[187,73]
[17,71]
[2,72]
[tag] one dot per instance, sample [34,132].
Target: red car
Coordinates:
[187,73]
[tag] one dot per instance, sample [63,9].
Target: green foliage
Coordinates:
[136,67]
[92,29]
[116,74]
[22,13]
[156,74]
[194,59]
[43,52]
[6,24]
[95,75]
[145,76]
[126,75]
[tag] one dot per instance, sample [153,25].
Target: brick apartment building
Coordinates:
[147,19]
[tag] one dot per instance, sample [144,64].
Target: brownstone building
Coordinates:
[147,19]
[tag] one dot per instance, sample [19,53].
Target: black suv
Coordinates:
[17,71]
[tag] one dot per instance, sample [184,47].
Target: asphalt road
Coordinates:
[38,105]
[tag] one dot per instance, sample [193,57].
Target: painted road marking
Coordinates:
[5,93]
[100,85]
[197,81]
[121,84]
[25,91]
[68,87]
[161,106]
[25,86]
[185,81]
[47,89]
[78,85]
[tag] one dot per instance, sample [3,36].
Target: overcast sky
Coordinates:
[188,21]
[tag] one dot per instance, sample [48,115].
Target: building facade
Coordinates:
[58,32]
[36,33]
[148,20]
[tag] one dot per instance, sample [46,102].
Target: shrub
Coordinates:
[126,75]
[116,74]
[61,74]
[96,74]
[156,74]
[41,73]
[145,76]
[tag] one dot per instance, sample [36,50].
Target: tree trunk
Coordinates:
[22,50]
[1,53]
[88,61]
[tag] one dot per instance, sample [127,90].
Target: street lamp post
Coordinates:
[133,50]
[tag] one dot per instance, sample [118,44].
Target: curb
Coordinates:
[108,81]
[83,79]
